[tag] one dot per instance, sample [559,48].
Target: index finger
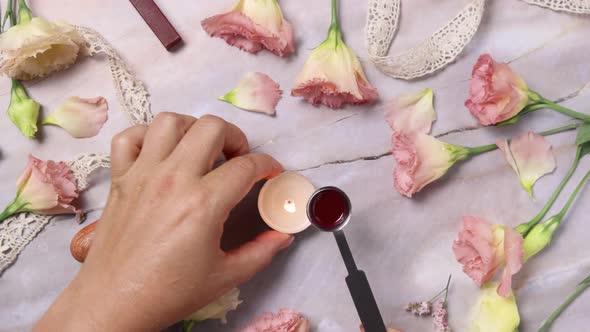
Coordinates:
[232,181]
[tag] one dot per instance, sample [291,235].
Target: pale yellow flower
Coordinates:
[37,48]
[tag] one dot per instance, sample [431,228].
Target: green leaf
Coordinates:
[583,134]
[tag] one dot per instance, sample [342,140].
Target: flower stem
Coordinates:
[579,290]
[9,14]
[525,228]
[24,13]
[556,107]
[187,325]
[490,147]
[13,208]
[572,198]
[445,290]
[334,24]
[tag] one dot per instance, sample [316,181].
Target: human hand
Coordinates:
[156,255]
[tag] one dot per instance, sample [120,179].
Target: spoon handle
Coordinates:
[360,290]
[364,301]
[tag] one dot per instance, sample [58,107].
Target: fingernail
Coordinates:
[287,242]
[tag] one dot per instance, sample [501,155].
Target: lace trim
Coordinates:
[572,6]
[432,54]
[131,91]
[443,46]
[17,231]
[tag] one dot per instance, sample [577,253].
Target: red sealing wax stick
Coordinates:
[159,24]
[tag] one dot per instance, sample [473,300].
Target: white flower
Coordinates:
[37,48]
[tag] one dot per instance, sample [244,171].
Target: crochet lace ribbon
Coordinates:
[443,46]
[19,230]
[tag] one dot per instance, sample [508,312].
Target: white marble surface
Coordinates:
[403,245]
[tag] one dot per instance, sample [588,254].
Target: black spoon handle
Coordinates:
[360,290]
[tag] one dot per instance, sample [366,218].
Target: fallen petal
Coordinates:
[80,117]
[256,92]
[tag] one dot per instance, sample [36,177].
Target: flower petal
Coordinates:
[531,157]
[285,320]
[494,313]
[514,254]
[80,117]
[256,92]
[411,113]
[253,25]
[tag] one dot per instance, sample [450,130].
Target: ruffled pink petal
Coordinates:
[530,156]
[321,92]
[285,320]
[256,92]
[240,31]
[411,113]
[496,93]
[406,157]
[514,253]
[474,249]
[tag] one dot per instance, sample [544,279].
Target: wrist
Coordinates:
[85,306]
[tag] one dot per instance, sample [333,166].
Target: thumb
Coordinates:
[244,262]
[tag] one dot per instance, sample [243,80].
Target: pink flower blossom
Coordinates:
[482,248]
[530,156]
[422,159]
[80,117]
[45,187]
[253,25]
[285,320]
[256,92]
[439,317]
[496,93]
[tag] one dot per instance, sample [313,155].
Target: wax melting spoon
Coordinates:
[329,210]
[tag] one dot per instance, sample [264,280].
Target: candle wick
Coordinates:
[289,206]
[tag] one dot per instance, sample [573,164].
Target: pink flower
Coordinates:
[411,113]
[80,117]
[422,159]
[530,156]
[285,320]
[253,25]
[496,93]
[45,187]
[256,92]
[482,248]
[333,76]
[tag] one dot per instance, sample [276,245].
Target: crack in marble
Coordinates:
[316,128]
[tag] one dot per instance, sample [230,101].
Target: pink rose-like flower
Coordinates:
[482,248]
[253,25]
[422,159]
[256,92]
[45,187]
[411,113]
[80,117]
[333,76]
[285,320]
[496,93]
[530,156]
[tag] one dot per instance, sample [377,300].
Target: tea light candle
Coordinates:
[282,202]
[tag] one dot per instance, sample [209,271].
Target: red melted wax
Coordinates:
[329,209]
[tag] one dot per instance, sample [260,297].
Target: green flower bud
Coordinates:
[540,236]
[23,111]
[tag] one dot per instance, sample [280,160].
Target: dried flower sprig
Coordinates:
[424,308]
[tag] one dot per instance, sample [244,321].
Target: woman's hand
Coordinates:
[156,257]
